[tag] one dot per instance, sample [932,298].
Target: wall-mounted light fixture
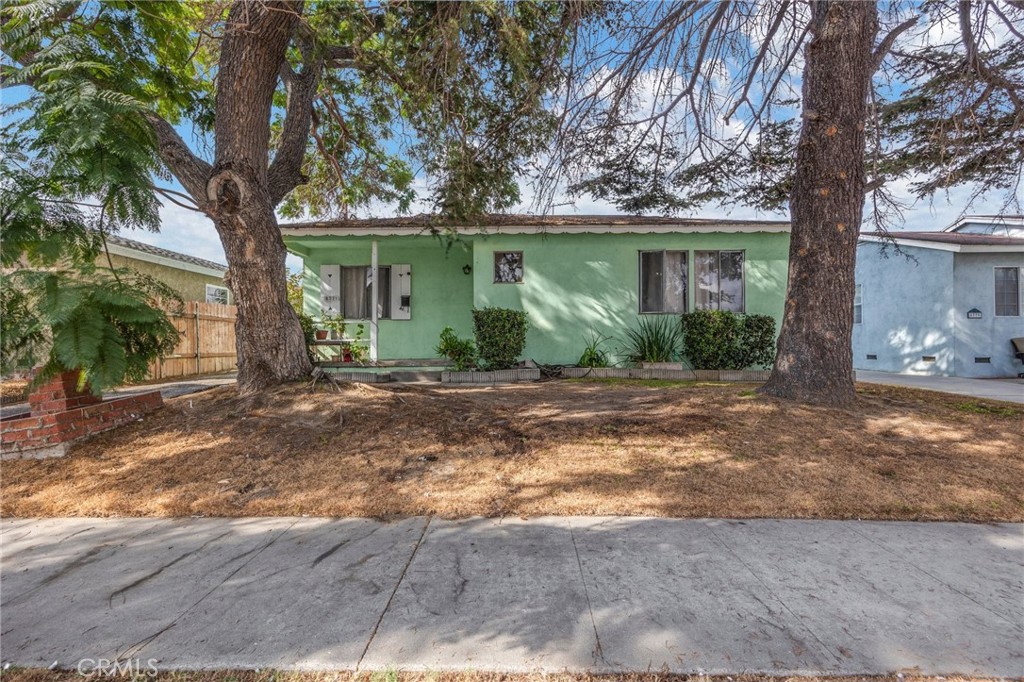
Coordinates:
[466,269]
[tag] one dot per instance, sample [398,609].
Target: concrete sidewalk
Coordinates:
[1010,390]
[602,594]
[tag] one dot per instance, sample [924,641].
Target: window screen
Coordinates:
[356,288]
[1007,292]
[719,280]
[663,280]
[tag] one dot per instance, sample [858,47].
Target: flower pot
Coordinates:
[321,334]
[346,355]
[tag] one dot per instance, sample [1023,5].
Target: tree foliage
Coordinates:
[690,104]
[58,309]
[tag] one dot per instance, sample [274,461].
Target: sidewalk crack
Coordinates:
[134,649]
[598,651]
[937,579]
[398,583]
[825,647]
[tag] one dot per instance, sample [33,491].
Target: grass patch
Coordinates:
[590,447]
[977,407]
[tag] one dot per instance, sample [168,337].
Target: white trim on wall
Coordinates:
[118,250]
[944,246]
[371,231]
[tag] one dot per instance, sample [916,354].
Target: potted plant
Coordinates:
[334,324]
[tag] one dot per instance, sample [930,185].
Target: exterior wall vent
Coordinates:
[928,358]
[983,361]
[872,356]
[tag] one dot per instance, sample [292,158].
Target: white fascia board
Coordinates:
[533,229]
[985,220]
[126,252]
[943,246]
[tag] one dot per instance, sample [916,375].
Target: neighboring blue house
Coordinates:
[950,309]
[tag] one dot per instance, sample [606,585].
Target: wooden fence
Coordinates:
[207,342]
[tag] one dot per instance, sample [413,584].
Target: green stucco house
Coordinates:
[573,274]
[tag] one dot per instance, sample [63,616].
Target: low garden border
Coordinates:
[502,376]
[668,371]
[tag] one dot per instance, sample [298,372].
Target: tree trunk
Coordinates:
[271,346]
[814,362]
[240,190]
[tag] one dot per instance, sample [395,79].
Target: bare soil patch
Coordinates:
[560,448]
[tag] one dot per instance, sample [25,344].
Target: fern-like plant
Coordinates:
[57,307]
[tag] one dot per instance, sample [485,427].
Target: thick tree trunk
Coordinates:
[814,363]
[271,346]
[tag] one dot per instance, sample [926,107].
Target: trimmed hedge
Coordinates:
[500,336]
[719,339]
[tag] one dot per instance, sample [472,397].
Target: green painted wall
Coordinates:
[576,283]
[572,283]
[442,295]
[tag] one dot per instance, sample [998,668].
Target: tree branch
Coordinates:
[887,42]
[285,172]
[191,171]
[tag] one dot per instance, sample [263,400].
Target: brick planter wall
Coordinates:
[47,434]
[60,394]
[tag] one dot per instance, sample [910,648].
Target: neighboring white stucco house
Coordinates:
[947,303]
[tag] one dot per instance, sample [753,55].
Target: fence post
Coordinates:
[198,354]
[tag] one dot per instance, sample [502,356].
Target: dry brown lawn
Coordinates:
[584,447]
[36,675]
[13,391]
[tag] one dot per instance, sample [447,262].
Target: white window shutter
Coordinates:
[401,292]
[330,289]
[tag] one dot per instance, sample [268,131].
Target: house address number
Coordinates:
[973,314]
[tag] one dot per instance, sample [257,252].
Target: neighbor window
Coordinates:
[508,267]
[858,304]
[1007,292]
[663,281]
[356,288]
[718,280]
[217,294]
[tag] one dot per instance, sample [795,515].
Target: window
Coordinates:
[356,288]
[508,267]
[1007,292]
[719,280]
[858,304]
[663,277]
[217,294]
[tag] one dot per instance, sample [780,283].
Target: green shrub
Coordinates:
[460,352]
[656,339]
[719,339]
[593,355]
[500,336]
[308,325]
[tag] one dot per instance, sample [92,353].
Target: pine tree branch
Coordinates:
[887,42]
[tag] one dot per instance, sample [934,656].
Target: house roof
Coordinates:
[1006,222]
[526,224]
[951,241]
[130,248]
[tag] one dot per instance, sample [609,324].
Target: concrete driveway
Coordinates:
[599,594]
[1010,390]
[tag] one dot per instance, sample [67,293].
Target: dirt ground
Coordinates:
[13,391]
[569,447]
